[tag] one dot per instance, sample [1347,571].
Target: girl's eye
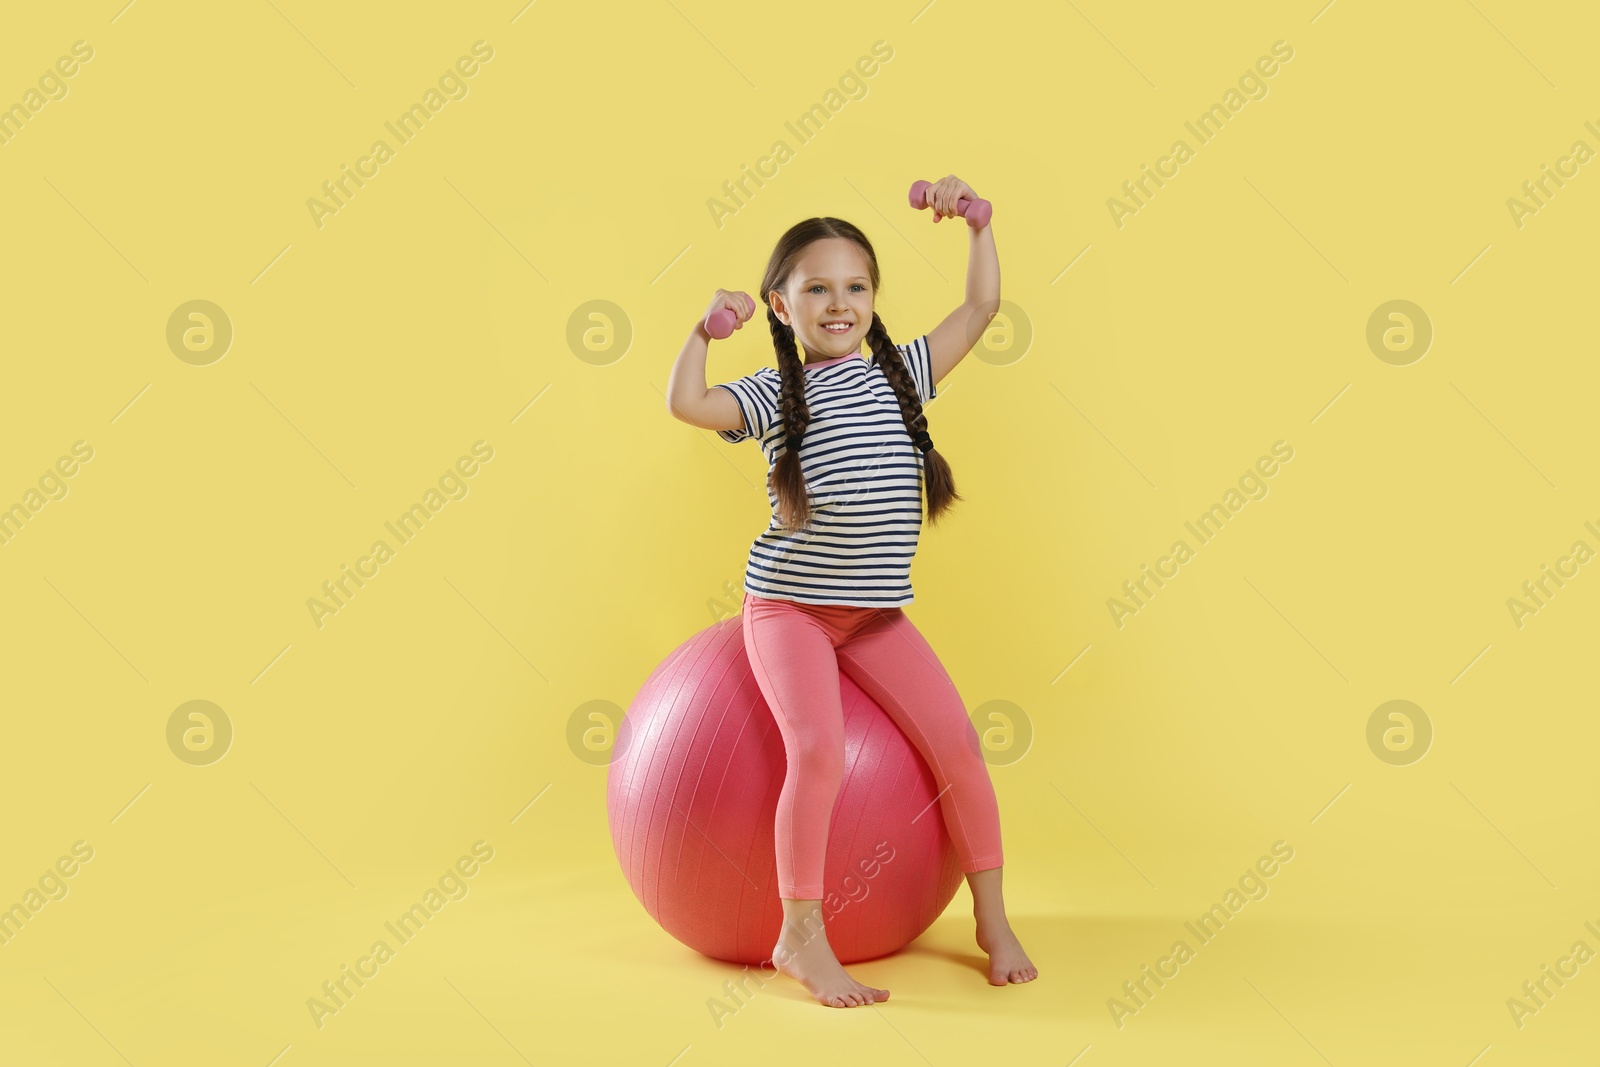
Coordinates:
[857,285]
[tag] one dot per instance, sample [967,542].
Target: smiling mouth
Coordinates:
[840,328]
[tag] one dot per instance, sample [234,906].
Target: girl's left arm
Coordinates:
[952,339]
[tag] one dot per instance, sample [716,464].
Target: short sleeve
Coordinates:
[920,361]
[757,395]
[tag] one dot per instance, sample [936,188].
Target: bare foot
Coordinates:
[1007,961]
[813,964]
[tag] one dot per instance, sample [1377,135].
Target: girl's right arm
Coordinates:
[688,398]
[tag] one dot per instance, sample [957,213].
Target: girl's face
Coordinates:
[830,285]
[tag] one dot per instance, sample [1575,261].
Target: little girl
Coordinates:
[849,452]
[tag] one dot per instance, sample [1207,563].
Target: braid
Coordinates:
[938,481]
[788,479]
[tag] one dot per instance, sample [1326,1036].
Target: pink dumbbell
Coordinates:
[721,322]
[976,212]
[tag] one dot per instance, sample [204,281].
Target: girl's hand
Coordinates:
[739,303]
[943,194]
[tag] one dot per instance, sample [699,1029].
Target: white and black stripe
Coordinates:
[863,475]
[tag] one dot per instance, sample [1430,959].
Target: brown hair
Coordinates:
[788,481]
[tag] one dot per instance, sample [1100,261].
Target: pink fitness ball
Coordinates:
[692,794]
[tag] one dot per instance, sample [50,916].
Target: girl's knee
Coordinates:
[818,758]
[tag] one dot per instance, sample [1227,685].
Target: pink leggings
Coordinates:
[796,650]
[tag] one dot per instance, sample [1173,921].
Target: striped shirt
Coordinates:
[863,476]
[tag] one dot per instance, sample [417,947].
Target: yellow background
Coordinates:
[435,309]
